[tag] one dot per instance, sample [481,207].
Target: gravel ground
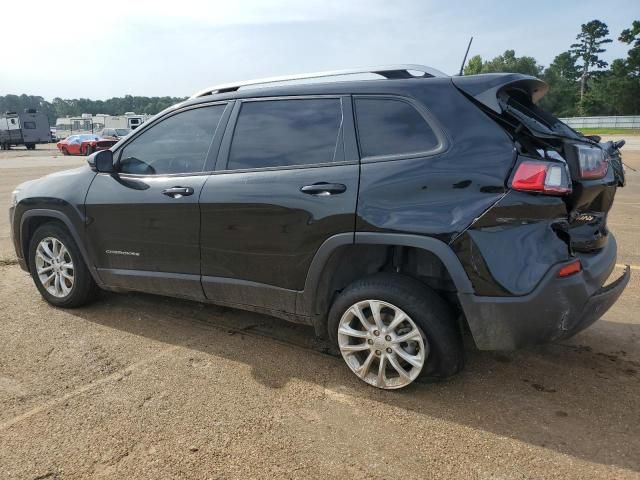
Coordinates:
[137,386]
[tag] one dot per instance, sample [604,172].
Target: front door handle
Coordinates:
[323,189]
[178,192]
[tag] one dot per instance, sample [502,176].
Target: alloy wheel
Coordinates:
[54,267]
[381,344]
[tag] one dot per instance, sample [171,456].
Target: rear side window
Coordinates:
[392,127]
[178,144]
[280,133]
[30,125]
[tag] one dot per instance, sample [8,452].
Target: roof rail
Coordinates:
[387,71]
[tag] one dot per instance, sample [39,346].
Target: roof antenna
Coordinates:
[464,60]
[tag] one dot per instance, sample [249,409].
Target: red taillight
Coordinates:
[541,177]
[593,162]
[570,269]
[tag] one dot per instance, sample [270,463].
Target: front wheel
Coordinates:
[58,269]
[392,329]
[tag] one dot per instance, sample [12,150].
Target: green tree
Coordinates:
[59,107]
[474,66]
[631,36]
[507,62]
[590,40]
[562,77]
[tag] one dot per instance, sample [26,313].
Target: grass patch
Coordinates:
[610,131]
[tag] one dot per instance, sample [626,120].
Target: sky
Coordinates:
[72,49]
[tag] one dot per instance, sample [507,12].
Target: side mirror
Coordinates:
[101,161]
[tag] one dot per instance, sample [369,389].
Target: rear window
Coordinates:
[279,133]
[392,127]
[30,125]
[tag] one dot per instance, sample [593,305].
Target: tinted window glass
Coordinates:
[391,127]
[178,144]
[278,133]
[30,125]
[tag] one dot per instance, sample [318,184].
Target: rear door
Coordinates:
[144,220]
[286,181]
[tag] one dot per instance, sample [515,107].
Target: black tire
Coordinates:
[84,288]
[88,150]
[426,308]
[65,151]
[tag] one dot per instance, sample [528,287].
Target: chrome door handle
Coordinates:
[178,192]
[322,189]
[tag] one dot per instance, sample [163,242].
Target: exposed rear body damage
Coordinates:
[513,252]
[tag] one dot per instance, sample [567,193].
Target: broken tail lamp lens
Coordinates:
[570,269]
[593,162]
[542,177]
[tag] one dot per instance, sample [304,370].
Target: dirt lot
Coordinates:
[137,386]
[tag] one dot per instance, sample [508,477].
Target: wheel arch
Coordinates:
[32,219]
[344,258]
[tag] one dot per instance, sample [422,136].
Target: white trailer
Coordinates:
[28,128]
[87,123]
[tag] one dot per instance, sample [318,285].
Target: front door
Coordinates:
[144,221]
[284,184]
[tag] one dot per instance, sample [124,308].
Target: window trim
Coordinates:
[347,155]
[212,152]
[438,131]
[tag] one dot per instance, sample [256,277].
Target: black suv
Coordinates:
[391,214]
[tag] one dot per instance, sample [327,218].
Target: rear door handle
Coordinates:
[178,192]
[323,189]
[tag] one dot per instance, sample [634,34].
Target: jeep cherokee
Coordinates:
[392,214]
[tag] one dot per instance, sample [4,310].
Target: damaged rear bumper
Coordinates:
[558,308]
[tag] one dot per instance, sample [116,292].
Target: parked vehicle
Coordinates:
[117,133]
[84,144]
[28,128]
[54,135]
[87,123]
[393,215]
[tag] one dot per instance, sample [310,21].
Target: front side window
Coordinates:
[389,126]
[281,133]
[178,144]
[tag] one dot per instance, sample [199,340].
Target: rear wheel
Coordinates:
[58,269]
[88,151]
[392,329]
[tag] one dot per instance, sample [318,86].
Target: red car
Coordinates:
[84,144]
